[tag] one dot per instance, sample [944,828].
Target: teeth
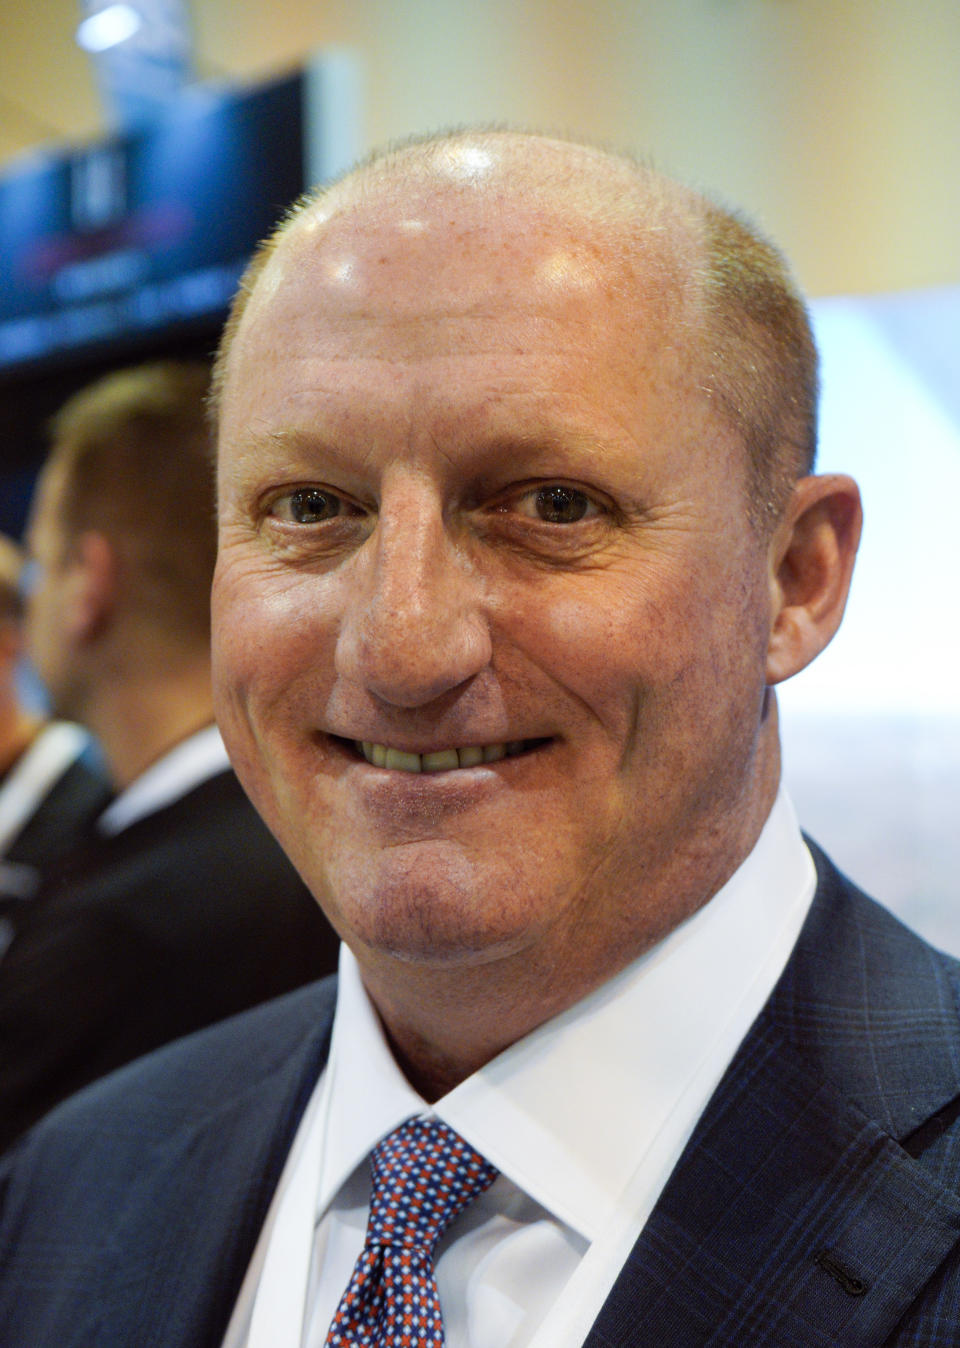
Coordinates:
[396,758]
[443,760]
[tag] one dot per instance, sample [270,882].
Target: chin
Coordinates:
[449,919]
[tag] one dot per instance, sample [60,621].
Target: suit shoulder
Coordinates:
[182,1083]
[872,1006]
[158,1175]
[869,938]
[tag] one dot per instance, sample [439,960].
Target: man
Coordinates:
[51,786]
[179,908]
[517,536]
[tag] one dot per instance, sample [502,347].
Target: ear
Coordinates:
[91,586]
[812,556]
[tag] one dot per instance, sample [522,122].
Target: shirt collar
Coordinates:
[186,765]
[53,750]
[568,1111]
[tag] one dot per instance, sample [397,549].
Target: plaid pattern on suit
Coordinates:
[816,1204]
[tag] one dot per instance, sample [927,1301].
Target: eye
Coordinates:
[557,504]
[310,505]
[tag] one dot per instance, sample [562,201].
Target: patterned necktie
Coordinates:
[424,1174]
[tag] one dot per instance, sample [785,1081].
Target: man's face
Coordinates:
[46,623]
[475,520]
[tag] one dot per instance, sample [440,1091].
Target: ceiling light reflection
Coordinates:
[108,28]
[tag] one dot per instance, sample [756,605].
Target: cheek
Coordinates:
[269,631]
[611,641]
[249,670]
[667,660]
[42,638]
[258,660]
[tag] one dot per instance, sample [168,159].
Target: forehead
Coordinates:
[441,305]
[425,255]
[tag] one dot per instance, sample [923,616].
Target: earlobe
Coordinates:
[93,586]
[812,556]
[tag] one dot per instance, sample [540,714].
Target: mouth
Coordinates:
[442,760]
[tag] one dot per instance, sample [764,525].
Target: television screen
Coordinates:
[143,235]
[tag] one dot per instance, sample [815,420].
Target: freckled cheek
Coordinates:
[264,670]
[609,648]
[269,634]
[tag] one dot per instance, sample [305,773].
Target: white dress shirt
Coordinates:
[33,775]
[24,789]
[186,765]
[585,1118]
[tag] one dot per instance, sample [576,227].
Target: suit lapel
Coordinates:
[209,1183]
[792,1220]
[794,1217]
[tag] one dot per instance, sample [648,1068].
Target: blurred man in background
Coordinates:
[51,783]
[181,909]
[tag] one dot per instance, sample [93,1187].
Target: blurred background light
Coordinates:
[108,28]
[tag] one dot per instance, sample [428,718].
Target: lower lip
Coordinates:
[394,800]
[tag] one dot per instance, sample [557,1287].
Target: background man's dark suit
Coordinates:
[76,797]
[187,916]
[817,1203]
[56,826]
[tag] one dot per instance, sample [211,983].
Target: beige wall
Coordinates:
[836,122]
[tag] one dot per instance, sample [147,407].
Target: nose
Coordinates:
[413,626]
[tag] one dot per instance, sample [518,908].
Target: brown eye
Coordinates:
[557,504]
[311,505]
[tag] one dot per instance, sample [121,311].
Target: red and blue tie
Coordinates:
[424,1174]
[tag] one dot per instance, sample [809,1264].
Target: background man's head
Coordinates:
[11,612]
[122,531]
[512,436]
[11,566]
[19,721]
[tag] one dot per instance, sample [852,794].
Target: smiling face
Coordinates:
[489,623]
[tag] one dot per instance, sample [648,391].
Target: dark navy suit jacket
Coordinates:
[189,915]
[816,1204]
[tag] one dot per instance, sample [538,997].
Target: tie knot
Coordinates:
[424,1174]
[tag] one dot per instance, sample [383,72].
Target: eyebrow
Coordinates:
[283,443]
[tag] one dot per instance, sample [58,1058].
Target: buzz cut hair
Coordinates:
[132,458]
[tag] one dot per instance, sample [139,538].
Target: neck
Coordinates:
[141,717]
